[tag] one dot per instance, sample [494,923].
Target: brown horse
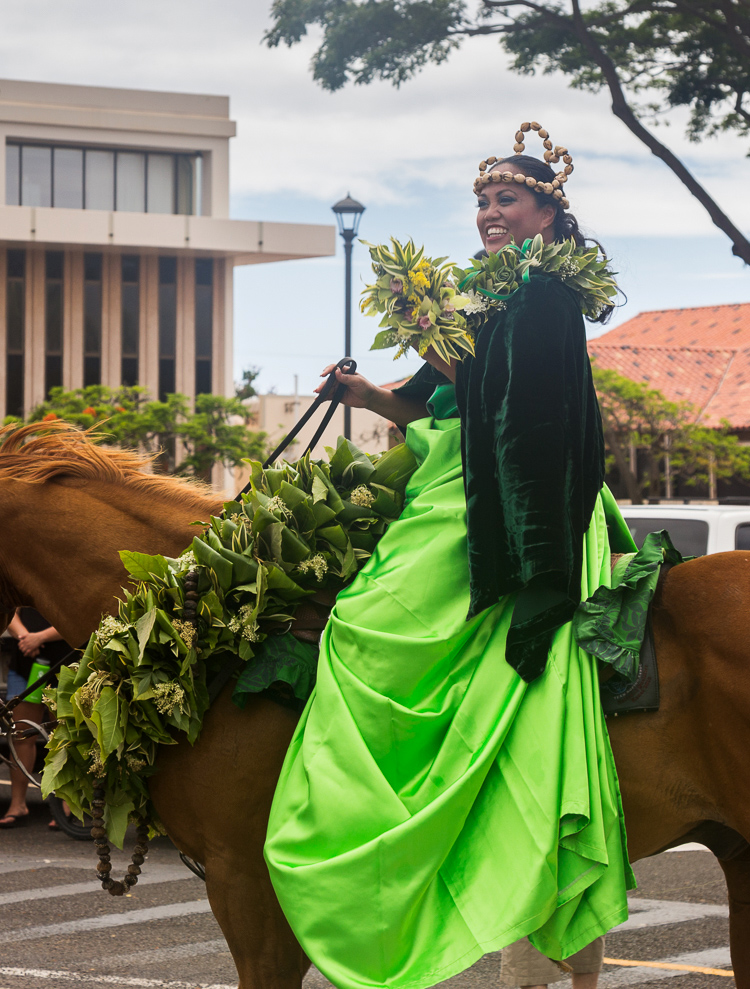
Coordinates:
[67,507]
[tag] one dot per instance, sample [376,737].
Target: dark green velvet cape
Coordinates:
[533,455]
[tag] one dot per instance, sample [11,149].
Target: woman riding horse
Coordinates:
[450,787]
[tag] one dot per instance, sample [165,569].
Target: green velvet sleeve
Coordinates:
[533,456]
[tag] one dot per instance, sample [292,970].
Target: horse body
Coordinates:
[683,771]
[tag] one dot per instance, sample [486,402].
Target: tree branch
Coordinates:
[621,109]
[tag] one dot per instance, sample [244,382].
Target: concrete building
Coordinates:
[116,247]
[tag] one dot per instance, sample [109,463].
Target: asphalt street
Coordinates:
[58,929]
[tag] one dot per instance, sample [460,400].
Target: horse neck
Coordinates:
[61,543]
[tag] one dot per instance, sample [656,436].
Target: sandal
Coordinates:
[9,821]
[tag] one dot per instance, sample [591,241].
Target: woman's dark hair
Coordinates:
[565,224]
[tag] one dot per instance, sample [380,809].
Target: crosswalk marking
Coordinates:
[165,875]
[655,913]
[108,980]
[156,955]
[108,920]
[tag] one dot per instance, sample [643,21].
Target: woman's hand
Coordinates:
[360,393]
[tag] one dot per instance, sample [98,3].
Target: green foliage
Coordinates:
[375,39]
[214,431]
[305,527]
[246,388]
[693,53]
[635,415]
[673,53]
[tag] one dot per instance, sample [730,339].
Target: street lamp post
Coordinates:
[348,214]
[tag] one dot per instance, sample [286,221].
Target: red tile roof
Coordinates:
[700,355]
[702,326]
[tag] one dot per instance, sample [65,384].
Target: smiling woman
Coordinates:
[450,787]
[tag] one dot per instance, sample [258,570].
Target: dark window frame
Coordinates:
[92,355]
[176,156]
[54,319]
[205,277]
[130,360]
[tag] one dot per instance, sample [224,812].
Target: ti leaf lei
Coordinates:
[428,302]
[304,527]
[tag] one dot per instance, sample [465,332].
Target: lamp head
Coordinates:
[348,214]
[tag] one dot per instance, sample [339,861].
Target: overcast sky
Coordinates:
[410,155]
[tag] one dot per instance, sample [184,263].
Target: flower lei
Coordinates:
[427,302]
[304,527]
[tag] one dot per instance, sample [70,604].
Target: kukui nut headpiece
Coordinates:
[551,156]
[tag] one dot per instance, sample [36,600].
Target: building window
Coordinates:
[92,319]
[131,319]
[99,178]
[15,323]
[36,176]
[53,320]
[167,326]
[204,328]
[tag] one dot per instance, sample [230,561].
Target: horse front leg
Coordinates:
[737,873]
[214,800]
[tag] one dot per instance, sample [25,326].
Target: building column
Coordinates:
[185,354]
[148,372]
[73,320]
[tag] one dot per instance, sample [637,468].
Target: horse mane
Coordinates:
[40,452]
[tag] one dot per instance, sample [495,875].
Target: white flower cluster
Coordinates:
[568,268]
[185,630]
[97,767]
[277,504]
[48,698]
[243,624]
[187,560]
[476,303]
[316,564]
[108,627]
[168,697]
[362,497]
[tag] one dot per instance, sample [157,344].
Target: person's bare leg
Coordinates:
[581,980]
[585,980]
[26,750]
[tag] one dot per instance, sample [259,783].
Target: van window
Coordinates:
[742,536]
[690,536]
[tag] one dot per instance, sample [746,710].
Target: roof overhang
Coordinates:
[239,241]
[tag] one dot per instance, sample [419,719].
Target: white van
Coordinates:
[695,529]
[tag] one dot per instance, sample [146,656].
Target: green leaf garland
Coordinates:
[304,527]
[428,302]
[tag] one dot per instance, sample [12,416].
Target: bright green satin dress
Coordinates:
[433,806]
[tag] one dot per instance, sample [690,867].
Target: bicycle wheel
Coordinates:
[69,823]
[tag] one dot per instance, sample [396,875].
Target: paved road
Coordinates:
[58,929]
